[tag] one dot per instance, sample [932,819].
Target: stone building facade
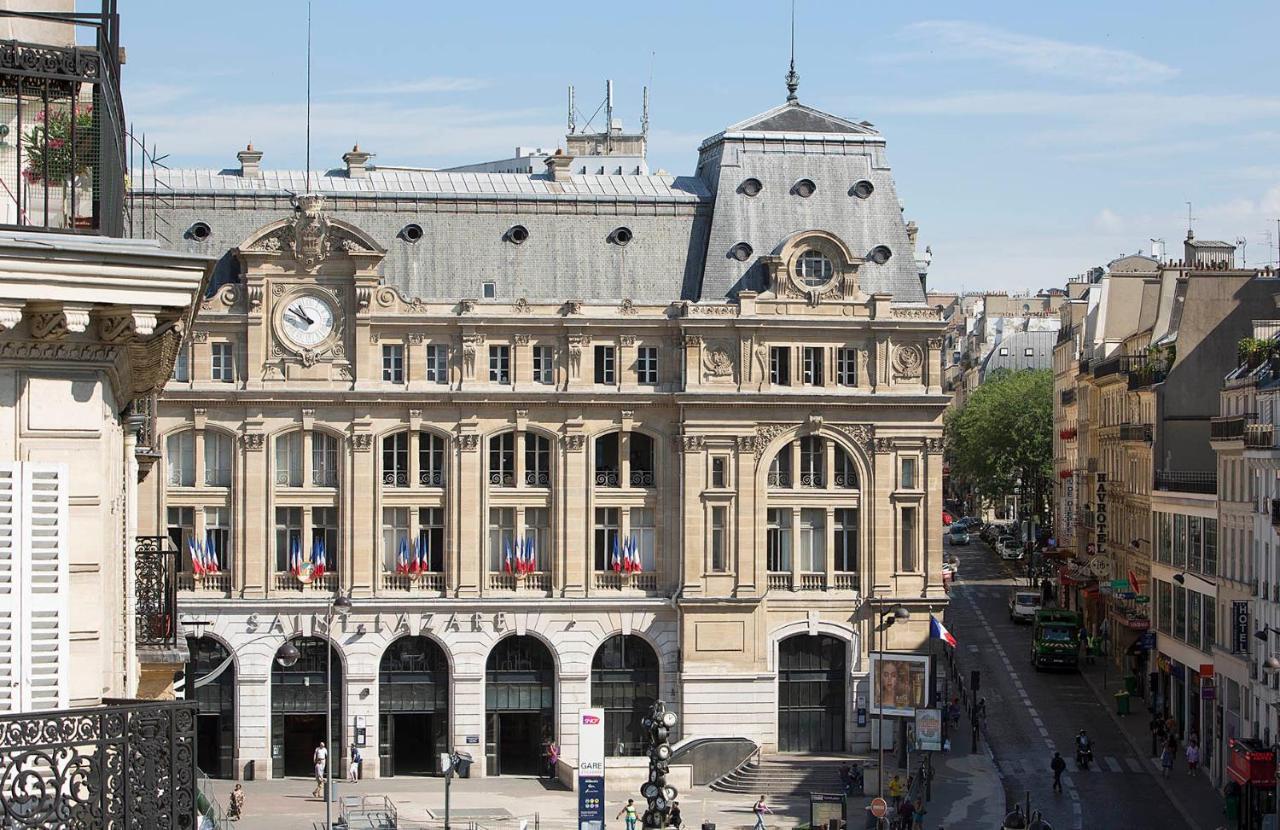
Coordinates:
[565,439]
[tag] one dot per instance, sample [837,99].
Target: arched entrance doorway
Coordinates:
[624,682]
[811,694]
[413,707]
[215,703]
[299,697]
[520,697]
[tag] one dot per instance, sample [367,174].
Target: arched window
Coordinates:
[413,706]
[519,541]
[431,459]
[640,456]
[324,460]
[537,460]
[217,459]
[306,527]
[180,458]
[289,459]
[608,464]
[520,705]
[502,460]
[200,526]
[624,459]
[812,461]
[395,460]
[624,682]
[299,698]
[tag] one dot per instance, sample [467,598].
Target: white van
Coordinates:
[1023,605]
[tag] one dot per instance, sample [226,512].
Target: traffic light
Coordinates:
[656,791]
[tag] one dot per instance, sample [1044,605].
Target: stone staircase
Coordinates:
[778,776]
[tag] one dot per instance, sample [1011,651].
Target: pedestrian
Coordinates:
[630,812]
[235,804]
[1193,757]
[1170,725]
[553,759]
[896,790]
[1059,766]
[760,809]
[354,771]
[1158,734]
[673,816]
[982,709]
[1166,760]
[846,778]
[906,814]
[917,815]
[320,759]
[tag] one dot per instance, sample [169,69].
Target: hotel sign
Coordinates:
[1240,627]
[1100,514]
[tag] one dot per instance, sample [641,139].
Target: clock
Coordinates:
[306,320]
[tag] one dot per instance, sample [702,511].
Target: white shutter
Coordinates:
[10,607]
[44,577]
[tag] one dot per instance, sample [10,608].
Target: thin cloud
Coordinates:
[422,86]
[961,40]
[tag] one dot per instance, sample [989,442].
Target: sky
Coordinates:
[1029,141]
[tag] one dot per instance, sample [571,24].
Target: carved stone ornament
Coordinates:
[363,297]
[469,442]
[522,340]
[10,316]
[859,434]
[254,441]
[693,443]
[200,336]
[362,441]
[521,306]
[115,327]
[935,343]
[627,339]
[746,443]
[719,362]
[627,307]
[575,442]
[765,433]
[933,446]
[466,306]
[693,340]
[908,362]
[254,293]
[572,307]
[883,445]
[916,313]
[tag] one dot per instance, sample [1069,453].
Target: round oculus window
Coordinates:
[814,268]
[517,234]
[863,189]
[804,188]
[411,232]
[741,252]
[200,231]
[751,187]
[880,254]
[620,236]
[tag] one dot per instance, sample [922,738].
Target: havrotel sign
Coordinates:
[1100,516]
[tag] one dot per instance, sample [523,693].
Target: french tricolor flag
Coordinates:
[938,631]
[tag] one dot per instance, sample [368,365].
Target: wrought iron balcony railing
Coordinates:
[66,169]
[1067,396]
[124,764]
[1230,427]
[1135,432]
[642,478]
[1180,481]
[156,591]
[1259,436]
[608,478]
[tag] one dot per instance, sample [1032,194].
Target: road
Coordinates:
[1030,714]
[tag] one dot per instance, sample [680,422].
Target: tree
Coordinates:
[1003,435]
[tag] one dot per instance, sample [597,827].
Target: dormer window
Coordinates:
[862,189]
[880,255]
[751,187]
[814,268]
[804,188]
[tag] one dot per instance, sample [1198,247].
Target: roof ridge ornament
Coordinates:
[793,79]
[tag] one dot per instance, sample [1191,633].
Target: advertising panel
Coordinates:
[590,769]
[899,683]
[929,730]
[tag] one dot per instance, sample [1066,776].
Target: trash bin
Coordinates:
[463,765]
[1122,703]
[1131,684]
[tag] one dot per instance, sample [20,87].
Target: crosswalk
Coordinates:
[1107,765]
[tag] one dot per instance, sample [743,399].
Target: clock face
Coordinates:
[306,321]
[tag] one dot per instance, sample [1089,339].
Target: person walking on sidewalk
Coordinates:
[1158,734]
[896,791]
[630,812]
[320,760]
[1059,766]
[674,819]
[917,815]
[906,814]
[353,773]
[1166,758]
[760,809]
[1193,756]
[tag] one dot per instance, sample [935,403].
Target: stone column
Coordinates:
[751,556]
[361,573]
[471,527]
[575,488]
[467,713]
[254,523]
[253,717]
[694,547]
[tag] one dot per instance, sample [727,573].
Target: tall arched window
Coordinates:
[625,504]
[199,471]
[624,682]
[306,526]
[414,473]
[811,521]
[519,541]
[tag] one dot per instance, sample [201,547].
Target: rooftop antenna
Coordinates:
[571,123]
[608,115]
[1244,258]
[1190,233]
[644,115]
[308,177]
[793,80]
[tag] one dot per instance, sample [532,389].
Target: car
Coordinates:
[1011,550]
[973,523]
[1023,605]
[959,536]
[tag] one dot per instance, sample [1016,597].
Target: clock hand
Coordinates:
[297,311]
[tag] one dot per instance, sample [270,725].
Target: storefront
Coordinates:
[1252,768]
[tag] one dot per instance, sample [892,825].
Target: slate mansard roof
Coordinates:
[682,228]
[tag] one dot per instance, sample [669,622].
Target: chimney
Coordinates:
[558,165]
[356,160]
[250,162]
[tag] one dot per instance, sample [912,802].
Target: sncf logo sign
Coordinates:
[590,720]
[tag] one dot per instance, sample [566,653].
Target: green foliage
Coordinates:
[1003,434]
[60,144]
[1254,350]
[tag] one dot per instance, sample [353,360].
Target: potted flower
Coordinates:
[54,156]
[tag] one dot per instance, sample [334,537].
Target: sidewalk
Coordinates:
[1193,795]
[966,793]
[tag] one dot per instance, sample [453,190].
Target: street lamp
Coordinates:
[1181,579]
[288,655]
[898,612]
[339,604]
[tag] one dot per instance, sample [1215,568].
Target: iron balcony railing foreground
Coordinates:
[156,591]
[62,116]
[123,764]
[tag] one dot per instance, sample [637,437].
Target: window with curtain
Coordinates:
[644,530]
[607,528]
[907,540]
[813,539]
[778,539]
[324,460]
[180,458]
[395,534]
[502,535]
[217,459]
[289,459]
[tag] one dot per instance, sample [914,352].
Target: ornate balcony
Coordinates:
[430,478]
[608,478]
[285,581]
[156,591]
[846,581]
[215,584]
[1182,481]
[779,581]
[1230,427]
[66,168]
[779,478]
[646,581]
[538,581]
[813,582]
[127,764]
[1259,436]
[537,478]
[502,479]
[423,583]
[1135,432]
[642,478]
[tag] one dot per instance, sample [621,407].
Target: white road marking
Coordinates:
[1112,762]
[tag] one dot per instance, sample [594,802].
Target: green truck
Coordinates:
[1055,638]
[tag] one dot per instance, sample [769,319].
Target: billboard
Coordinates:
[899,684]
[590,769]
